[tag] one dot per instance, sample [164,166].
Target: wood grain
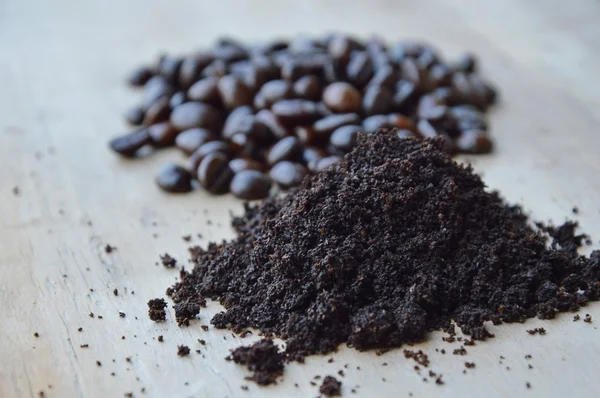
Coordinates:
[62,65]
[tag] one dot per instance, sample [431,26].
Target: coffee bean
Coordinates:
[214,173]
[271,46]
[162,134]
[190,140]
[247,146]
[255,76]
[385,76]
[234,92]
[296,111]
[190,71]
[135,116]
[311,153]
[444,95]
[359,70]
[317,166]
[415,74]
[250,185]
[377,100]
[474,141]
[440,75]
[139,76]
[294,68]
[154,89]
[341,97]
[268,118]
[195,114]
[229,51]
[286,149]
[271,92]
[174,178]
[340,47]
[431,108]
[288,174]
[405,133]
[308,87]
[324,127]
[217,68]
[177,99]
[426,129]
[302,44]
[306,135]
[427,58]
[405,96]
[158,112]
[206,149]
[234,120]
[345,138]
[466,63]
[323,110]
[485,94]
[206,91]
[408,49]
[375,122]
[127,145]
[168,67]
[241,164]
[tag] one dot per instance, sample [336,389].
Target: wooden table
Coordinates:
[62,65]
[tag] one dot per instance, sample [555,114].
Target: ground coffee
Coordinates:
[394,241]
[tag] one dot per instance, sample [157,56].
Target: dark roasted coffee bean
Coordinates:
[340,47]
[466,63]
[270,47]
[311,153]
[206,91]
[207,148]
[268,118]
[174,178]
[229,51]
[323,163]
[428,58]
[431,108]
[246,146]
[127,145]
[235,119]
[341,97]
[473,141]
[324,127]
[177,99]
[154,89]
[294,112]
[405,133]
[158,111]
[360,69]
[377,100]
[168,67]
[250,185]
[234,92]
[190,140]
[271,92]
[346,137]
[440,75]
[294,68]
[484,95]
[385,76]
[190,71]
[240,164]
[375,122]
[195,114]
[426,129]
[462,87]
[255,76]
[250,126]
[308,87]
[162,134]
[214,173]
[375,45]
[323,110]
[306,135]
[302,44]
[468,118]
[405,96]
[139,76]
[401,121]
[444,95]
[288,174]
[415,74]
[403,50]
[217,68]
[286,149]
[135,116]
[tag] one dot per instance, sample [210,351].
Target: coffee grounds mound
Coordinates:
[262,358]
[156,309]
[393,242]
[331,387]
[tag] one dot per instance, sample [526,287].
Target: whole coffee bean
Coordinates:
[486,94]
[168,67]
[206,91]
[401,121]
[190,140]
[286,149]
[375,122]
[189,72]
[139,76]
[255,76]
[158,112]
[174,178]
[234,92]
[415,74]
[311,153]
[323,110]
[306,135]
[406,49]
[270,47]
[466,63]
[250,185]
[195,114]
[428,58]
[444,95]
[308,87]
[340,47]
[250,126]
[377,100]
[426,129]
[341,97]
[303,44]
[135,116]
[294,68]
[246,146]
[321,164]
[345,138]
[440,75]
[385,76]
[288,174]
[324,127]
[177,99]
[128,144]
[206,149]
[473,141]
[359,70]
[431,108]
[229,51]
[294,112]
[271,92]
[154,89]
[375,45]
[277,128]
[241,164]
[234,119]
[217,68]
[214,173]
[405,133]
[405,96]
[162,134]
[462,87]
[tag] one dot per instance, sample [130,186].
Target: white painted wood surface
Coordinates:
[62,64]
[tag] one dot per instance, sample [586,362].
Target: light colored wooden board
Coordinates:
[62,65]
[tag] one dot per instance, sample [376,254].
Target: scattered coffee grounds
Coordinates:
[156,309]
[168,261]
[250,115]
[109,249]
[36,335]
[122,314]
[186,311]
[262,358]
[588,318]
[183,350]
[418,356]
[540,331]
[115,292]
[84,346]
[331,387]
[469,365]
[460,351]
[161,338]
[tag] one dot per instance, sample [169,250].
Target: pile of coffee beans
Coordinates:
[250,115]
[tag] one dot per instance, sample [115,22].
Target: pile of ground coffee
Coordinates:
[394,241]
[263,359]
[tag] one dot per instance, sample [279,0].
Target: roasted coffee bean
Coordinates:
[375,45]
[308,87]
[139,76]
[294,112]
[426,129]
[250,126]
[177,99]
[401,121]
[415,74]
[158,112]
[311,153]
[246,146]
[206,91]
[427,58]
[385,76]
[405,96]
[359,70]
[127,145]
[346,137]
[440,75]
[195,114]
[408,49]
[375,122]
[286,149]
[486,95]
[306,135]
[154,89]
[214,173]
[294,68]
[205,150]
[269,119]
[270,47]
[217,68]
[250,185]
[288,174]
[473,141]
[190,140]
[162,134]
[135,116]
[255,76]
[405,133]
[431,108]
[174,178]
[377,100]
[340,47]
[317,166]
[168,67]
[271,92]
[229,51]
[324,127]
[234,92]
[235,119]
[302,44]
[444,95]
[341,97]
[323,110]
[241,164]
[466,63]
[190,71]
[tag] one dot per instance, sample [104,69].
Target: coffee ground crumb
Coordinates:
[36,335]
[156,309]
[469,365]
[183,350]
[262,358]
[540,331]
[115,292]
[418,356]
[460,351]
[185,311]
[168,261]
[331,387]
[576,318]
[588,318]
[161,338]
